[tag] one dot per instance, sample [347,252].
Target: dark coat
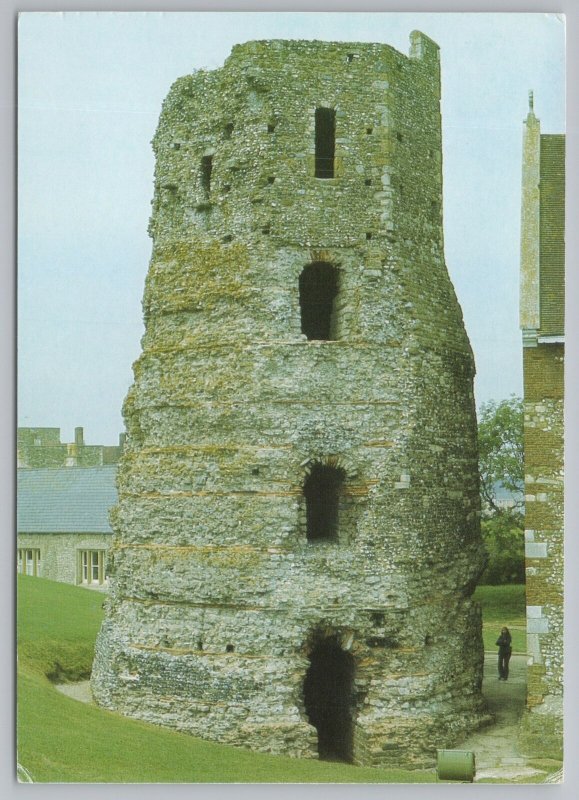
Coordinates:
[504,644]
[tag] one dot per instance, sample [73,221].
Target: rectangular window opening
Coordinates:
[318,289]
[29,562]
[322,489]
[206,169]
[325,142]
[92,567]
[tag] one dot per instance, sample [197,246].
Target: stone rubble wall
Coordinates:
[217,597]
[542,729]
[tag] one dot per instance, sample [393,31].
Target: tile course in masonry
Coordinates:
[297,534]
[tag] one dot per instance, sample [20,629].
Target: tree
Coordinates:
[504,540]
[501,465]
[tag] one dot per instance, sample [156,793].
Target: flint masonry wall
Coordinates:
[227,618]
[543,328]
[60,552]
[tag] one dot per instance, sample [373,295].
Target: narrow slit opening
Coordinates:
[206,170]
[325,142]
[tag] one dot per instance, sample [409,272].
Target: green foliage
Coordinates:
[500,442]
[501,464]
[504,539]
[63,740]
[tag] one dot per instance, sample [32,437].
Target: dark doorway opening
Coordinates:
[318,290]
[322,492]
[325,142]
[328,699]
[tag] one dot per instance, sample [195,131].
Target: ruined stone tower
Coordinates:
[297,535]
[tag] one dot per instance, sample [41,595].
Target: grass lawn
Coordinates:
[62,740]
[503,605]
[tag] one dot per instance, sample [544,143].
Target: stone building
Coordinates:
[41,447]
[63,523]
[297,534]
[542,309]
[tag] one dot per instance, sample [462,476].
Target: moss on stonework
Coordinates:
[188,275]
[238,399]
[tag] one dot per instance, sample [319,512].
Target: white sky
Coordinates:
[90,93]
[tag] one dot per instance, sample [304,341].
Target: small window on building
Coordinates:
[228,130]
[92,567]
[206,170]
[322,489]
[318,287]
[325,142]
[29,562]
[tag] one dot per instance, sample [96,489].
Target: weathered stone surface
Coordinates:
[224,608]
[543,328]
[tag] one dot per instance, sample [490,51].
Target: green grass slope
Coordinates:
[57,626]
[63,740]
[503,605]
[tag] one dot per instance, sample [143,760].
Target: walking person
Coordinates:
[505,651]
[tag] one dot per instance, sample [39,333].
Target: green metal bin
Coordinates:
[455,765]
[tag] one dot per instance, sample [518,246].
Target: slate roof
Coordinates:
[67,500]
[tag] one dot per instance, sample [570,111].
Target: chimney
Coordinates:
[78,436]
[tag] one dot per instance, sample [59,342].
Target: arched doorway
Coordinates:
[328,699]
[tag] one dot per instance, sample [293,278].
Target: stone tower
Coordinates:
[297,529]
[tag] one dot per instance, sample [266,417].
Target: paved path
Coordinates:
[495,746]
[78,691]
